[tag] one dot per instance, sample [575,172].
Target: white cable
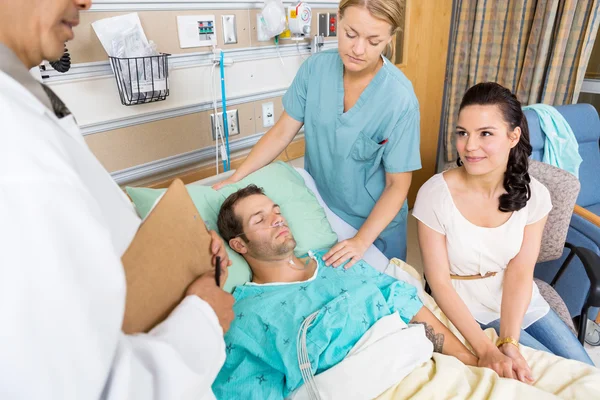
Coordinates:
[299,52]
[218,131]
[304,360]
[212,95]
[279,53]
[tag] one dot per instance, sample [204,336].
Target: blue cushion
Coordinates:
[589,174]
[583,119]
[536,136]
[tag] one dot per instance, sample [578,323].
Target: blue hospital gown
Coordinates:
[262,360]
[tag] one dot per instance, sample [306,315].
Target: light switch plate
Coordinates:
[268,114]
[196,31]
[229,29]
[323,27]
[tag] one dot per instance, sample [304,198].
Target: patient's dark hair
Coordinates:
[516,177]
[228,223]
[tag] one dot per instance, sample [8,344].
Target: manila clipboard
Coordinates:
[169,251]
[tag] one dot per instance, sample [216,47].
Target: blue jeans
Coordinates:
[550,334]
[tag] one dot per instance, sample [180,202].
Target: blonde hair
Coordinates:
[389,11]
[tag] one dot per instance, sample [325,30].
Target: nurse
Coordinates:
[361,125]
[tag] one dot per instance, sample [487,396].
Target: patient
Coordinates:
[285,291]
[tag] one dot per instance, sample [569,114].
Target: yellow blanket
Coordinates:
[445,377]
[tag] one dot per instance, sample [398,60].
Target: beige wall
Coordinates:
[131,146]
[161,27]
[140,144]
[425,47]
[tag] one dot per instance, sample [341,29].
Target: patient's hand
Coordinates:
[351,249]
[497,361]
[520,367]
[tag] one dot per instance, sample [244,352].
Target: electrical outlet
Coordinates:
[233,123]
[268,114]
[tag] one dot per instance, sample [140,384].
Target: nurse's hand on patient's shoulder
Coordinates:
[229,181]
[219,300]
[351,249]
[520,367]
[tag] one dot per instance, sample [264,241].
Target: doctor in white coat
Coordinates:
[64,225]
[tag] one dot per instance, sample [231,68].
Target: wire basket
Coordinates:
[141,80]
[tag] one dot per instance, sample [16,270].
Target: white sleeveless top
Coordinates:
[474,250]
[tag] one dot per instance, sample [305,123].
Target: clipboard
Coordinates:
[169,251]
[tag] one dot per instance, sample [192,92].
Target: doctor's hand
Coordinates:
[217,249]
[220,301]
[351,249]
[520,367]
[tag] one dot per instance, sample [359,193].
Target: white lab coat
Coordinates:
[64,224]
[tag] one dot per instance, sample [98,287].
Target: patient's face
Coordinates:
[265,229]
[484,139]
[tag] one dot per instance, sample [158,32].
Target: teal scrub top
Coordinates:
[348,153]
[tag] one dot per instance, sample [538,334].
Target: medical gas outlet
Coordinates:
[299,18]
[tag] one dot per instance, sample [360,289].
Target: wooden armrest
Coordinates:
[587,215]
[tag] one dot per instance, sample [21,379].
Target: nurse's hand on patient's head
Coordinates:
[351,250]
[219,300]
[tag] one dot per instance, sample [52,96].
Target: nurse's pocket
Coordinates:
[365,148]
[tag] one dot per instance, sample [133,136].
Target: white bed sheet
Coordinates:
[343,230]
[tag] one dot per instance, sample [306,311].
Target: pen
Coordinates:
[218,272]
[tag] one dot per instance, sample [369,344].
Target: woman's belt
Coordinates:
[472,277]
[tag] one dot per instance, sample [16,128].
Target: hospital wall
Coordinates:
[151,143]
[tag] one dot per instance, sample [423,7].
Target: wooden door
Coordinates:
[425,40]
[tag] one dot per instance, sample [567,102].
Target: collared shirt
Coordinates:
[11,65]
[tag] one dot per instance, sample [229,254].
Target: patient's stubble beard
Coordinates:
[268,251]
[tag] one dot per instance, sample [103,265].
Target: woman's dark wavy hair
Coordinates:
[516,177]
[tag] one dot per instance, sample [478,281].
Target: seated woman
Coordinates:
[335,306]
[480,229]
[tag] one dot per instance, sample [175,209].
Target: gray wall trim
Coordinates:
[103,68]
[175,112]
[142,171]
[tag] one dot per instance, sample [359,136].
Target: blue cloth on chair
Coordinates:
[560,146]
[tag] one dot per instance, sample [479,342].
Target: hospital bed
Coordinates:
[440,377]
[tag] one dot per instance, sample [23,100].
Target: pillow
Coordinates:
[284,185]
